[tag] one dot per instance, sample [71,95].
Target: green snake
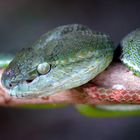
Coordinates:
[64,58]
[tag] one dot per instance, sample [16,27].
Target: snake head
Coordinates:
[24,68]
[75,53]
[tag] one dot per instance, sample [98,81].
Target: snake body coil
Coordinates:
[131,51]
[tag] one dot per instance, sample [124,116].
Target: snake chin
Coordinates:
[29,89]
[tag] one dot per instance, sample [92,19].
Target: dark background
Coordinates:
[21,23]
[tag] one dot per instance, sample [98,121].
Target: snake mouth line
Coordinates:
[13,84]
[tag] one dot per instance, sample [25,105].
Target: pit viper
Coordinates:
[66,57]
[63,58]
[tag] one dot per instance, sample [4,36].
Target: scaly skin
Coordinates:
[131,51]
[55,49]
[66,60]
[75,54]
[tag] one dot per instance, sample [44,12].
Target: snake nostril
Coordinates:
[10,85]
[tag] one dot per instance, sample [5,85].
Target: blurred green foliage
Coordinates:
[92,111]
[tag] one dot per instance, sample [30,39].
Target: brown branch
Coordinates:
[116,76]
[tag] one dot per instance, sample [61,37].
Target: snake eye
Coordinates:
[43,68]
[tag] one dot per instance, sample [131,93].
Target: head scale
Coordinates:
[23,68]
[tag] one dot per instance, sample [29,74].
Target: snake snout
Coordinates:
[10,84]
